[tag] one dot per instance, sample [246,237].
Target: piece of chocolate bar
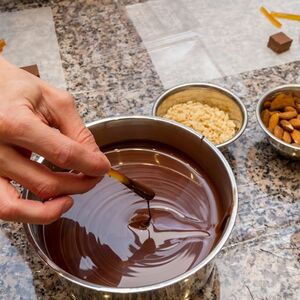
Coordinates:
[33,69]
[279,42]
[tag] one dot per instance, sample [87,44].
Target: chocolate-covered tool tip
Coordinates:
[136,186]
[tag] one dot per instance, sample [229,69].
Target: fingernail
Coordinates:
[68,204]
[105,163]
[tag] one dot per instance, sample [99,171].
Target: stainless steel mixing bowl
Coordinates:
[208,157]
[283,148]
[209,94]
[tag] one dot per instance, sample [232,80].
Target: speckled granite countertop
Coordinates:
[109,72]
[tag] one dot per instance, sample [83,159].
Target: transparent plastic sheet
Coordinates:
[198,40]
[31,39]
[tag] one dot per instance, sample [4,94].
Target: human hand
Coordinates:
[35,117]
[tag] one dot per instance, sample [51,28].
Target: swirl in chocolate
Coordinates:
[104,238]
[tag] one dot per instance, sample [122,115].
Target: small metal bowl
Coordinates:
[205,93]
[282,147]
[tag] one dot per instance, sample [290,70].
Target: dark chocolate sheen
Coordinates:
[101,239]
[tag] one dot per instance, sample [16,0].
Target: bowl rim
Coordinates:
[241,105]
[259,104]
[164,284]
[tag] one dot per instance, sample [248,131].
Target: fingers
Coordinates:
[13,208]
[35,212]
[72,147]
[26,153]
[58,148]
[72,125]
[39,179]
[68,119]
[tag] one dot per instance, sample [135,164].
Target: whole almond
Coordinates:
[286,125]
[297,105]
[296,136]
[289,108]
[278,132]
[274,112]
[286,137]
[265,117]
[298,117]
[295,123]
[281,101]
[288,115]
[273,122]
[267,104]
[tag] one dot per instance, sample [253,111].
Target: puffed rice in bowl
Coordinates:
[211,110]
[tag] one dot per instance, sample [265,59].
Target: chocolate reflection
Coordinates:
[102,238]
[95,262]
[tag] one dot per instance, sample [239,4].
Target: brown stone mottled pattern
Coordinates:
[109,72]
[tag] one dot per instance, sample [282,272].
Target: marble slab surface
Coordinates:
[109,71]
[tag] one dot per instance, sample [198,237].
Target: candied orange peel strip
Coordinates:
[285,16]
[270,17]
[2,45]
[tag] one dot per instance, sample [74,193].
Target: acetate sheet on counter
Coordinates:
[198,40]
[31,39]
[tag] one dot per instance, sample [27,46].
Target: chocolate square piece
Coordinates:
[279,42]
[33,69]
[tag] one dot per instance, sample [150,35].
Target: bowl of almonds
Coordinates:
[278,114]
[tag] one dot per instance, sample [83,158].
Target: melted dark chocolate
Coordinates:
[105,237]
